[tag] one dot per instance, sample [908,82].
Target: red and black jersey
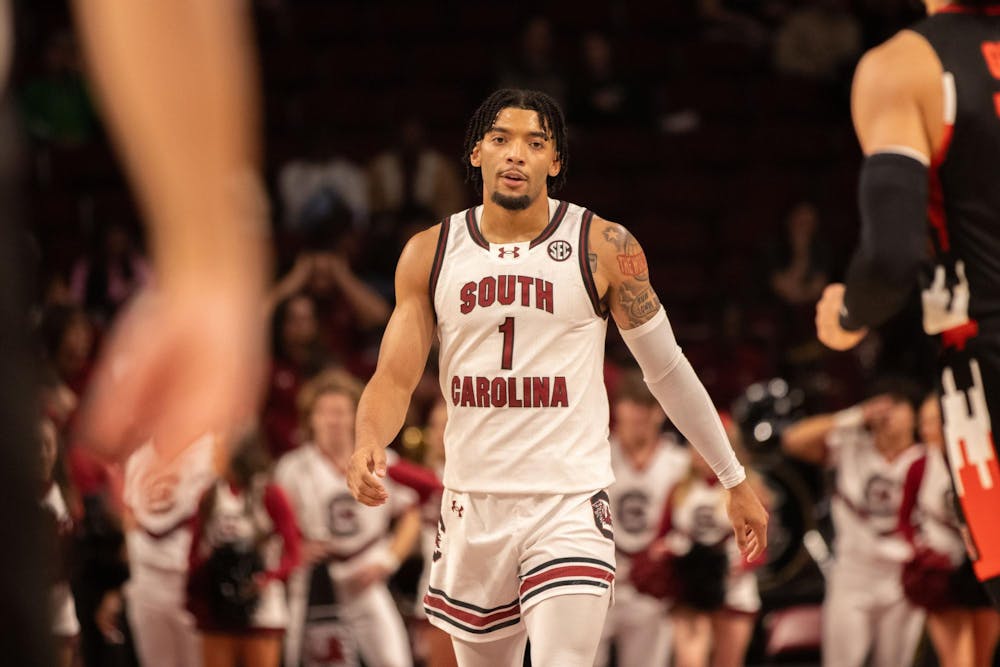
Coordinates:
[965,171]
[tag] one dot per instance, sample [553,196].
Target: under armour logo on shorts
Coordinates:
[458,509]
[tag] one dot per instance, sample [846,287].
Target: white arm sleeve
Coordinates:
[683,397]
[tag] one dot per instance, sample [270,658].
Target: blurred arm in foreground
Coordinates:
[178,89]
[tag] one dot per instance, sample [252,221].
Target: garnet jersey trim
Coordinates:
[585,271]
[438,260]
[480,240]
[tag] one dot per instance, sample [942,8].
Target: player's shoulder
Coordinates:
[417,258]
[900,62]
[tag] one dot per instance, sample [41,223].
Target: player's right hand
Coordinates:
[364,472]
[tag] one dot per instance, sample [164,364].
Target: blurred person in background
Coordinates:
[601,94]
[534,65]
[961,622]
[67,338]
[435,642]
[59,528]
[297,356]
[110,274]
[412,175]
[245,543]
[818,40]
[340,603]
[350,311]
[647,465]
[800,265]
[161,496]
[715,590]
[870,447]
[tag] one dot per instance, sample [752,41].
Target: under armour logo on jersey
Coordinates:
[515,252]
[457,509]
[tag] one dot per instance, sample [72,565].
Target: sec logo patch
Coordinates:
[560,250]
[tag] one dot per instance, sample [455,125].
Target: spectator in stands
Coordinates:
[716,596]
[341,605]
[647,464]
[870,448]
[534,67]
[412,175]
[746,22]
[601,95]
[800,264]
[67,338]
[348,308]
[297,355]
[819,40]
[115,270]
[962,624]
[245,543]
[435,642]
[59,523]
[55,104]
[799,270]
[308,186]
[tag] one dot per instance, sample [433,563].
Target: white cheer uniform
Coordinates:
[865,610]
[61,603]
[367,623]
[638,624]
[698,514]
[163,498]
[524,514]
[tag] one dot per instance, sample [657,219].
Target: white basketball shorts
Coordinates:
[497,555]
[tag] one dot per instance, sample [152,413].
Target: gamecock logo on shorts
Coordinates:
[601,505]
[560,250]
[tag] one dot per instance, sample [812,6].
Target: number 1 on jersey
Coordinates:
[507,358]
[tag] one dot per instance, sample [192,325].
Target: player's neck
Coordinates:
[639,450]
[890,447]
[502,225]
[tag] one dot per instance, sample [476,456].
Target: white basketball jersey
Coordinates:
[163,498]
[325,508]
[639,497]
[867,497]
[521,358]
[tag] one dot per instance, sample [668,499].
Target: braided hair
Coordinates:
[549,114]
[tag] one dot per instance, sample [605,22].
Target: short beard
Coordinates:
[518,203]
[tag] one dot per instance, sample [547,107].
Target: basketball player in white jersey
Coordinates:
[518,290]
[647,465]
[161,496]
[354,543]
[870,447]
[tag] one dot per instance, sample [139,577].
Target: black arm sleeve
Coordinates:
[883,272]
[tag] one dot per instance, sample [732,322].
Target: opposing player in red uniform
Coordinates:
[518,291]
[926,107]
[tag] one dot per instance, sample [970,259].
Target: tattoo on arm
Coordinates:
[592,258]
[636,301]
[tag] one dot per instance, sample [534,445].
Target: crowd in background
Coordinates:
[345,198]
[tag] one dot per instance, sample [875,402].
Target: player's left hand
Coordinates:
[828,328]
[749,520]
